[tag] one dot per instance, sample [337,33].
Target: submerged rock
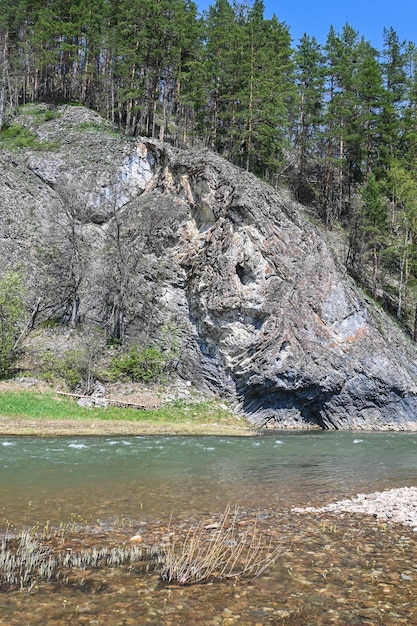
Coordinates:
[264,315]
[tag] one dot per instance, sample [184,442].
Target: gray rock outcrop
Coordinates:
[266,316]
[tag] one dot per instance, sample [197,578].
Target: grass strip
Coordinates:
[30,412]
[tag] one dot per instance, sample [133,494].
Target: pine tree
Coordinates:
[340,112]
[369,93]
[310,81]
[409,118]
[373,225]
[393,69]
[186,55]
[4,50]
[153,38]
[269,91]
[11,74]
[223,73]
[403,191]
[89,18]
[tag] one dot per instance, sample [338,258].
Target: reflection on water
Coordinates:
[99,477]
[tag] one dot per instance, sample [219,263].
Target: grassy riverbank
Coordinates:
[25,412]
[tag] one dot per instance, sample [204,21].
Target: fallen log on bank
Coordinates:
[102,401]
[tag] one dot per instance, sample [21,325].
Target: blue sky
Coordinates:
[367,16]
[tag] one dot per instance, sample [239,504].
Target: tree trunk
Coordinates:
[250,111]
[403,277]
[3,77]
[374,271]
[74,313]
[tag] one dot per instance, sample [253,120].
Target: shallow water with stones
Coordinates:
[332,570]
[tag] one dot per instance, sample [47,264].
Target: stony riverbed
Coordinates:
[349,563]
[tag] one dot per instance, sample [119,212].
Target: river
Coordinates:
[151,480]
[95,477]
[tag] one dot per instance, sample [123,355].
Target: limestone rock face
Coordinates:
[266,316]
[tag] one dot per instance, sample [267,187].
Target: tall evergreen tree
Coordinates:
[373,226]
[223,66]
[393,69]
[341,53]
[403,191]
[409,119]
[152,39]
[310,81]
[269,90]
[4,49]
[12,18]
[369,93]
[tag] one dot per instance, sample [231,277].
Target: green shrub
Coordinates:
[65,368]
[78,367]
[17,136]
[39,113]
[51,322]
[51,115]
[70,370]
[99,126]
[139,364]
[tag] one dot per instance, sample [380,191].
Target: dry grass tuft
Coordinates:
[227,549]
[218,552]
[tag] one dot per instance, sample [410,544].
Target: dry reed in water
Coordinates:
[226,552]
[207,552]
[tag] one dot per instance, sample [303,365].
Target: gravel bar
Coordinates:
[394,505]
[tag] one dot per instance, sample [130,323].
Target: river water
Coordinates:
[53,478]
[149,480]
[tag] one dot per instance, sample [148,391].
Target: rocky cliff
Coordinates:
[136,236]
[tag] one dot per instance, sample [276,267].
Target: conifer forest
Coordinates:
[334,122]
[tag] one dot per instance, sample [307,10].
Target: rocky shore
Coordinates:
[394,505]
